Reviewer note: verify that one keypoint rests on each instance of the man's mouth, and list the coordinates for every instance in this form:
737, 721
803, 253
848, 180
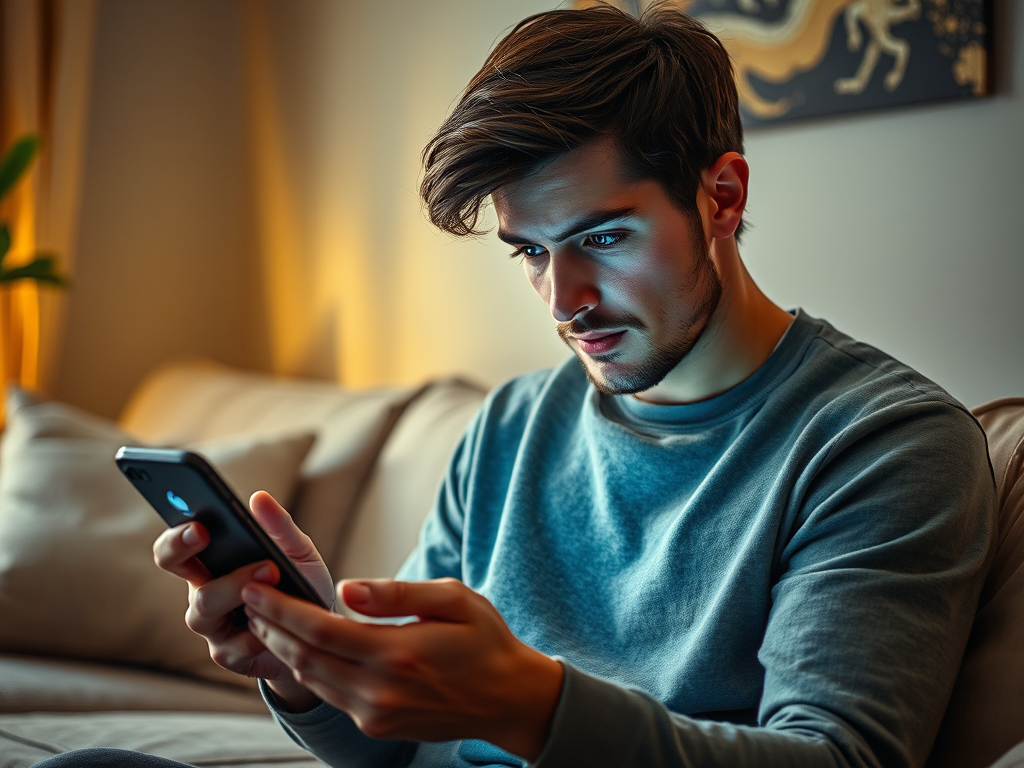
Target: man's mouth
598, 342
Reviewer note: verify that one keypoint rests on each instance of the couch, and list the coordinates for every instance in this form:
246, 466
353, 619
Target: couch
93, 650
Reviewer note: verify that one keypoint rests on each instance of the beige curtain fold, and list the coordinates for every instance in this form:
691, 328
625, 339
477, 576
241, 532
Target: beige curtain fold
45, 71
284, 269
299, 280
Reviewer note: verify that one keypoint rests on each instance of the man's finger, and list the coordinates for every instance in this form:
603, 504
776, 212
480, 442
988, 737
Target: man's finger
211, 603
175, 549
313, 625
440, 599
275, 520
331, 678
310, 662
239, 653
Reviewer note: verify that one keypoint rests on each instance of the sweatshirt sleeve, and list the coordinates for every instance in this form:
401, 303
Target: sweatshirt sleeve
333, 737
598, 723
877, 583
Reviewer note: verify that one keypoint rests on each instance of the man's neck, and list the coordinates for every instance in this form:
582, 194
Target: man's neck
740, 336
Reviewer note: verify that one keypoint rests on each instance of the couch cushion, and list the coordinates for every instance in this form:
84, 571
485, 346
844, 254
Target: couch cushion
245, 741
39, 684
201, 400
985, 717
401, 490
77, 577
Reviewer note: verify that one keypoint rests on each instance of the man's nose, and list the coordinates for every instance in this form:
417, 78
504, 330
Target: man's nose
572, 288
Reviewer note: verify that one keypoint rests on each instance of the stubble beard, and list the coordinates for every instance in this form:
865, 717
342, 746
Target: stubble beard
663, 357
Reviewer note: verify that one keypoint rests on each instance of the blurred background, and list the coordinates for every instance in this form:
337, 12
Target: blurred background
236, 179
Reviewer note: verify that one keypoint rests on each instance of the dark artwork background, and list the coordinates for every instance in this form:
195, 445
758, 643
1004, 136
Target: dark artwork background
790, 54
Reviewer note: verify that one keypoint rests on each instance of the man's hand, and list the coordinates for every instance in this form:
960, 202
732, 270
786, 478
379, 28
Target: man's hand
457, 673
210, 601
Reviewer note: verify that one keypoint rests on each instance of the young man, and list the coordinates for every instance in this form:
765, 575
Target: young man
729, 536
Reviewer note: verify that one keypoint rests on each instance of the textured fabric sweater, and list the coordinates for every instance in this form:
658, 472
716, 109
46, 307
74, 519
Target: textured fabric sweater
782, 575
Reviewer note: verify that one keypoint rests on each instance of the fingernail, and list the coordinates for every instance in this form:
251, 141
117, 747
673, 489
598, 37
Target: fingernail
251, 595
190, 536
263, 573
357, 593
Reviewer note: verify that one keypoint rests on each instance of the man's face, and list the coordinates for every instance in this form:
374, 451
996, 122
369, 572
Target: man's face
626, 274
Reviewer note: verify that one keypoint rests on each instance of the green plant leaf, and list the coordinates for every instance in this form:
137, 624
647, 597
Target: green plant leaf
40, 269
16, 161
5, 242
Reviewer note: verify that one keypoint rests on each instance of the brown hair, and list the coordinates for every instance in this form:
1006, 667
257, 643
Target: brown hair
661, 85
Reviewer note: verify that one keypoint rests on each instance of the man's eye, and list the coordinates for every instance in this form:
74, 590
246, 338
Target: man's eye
603, 239
527, 252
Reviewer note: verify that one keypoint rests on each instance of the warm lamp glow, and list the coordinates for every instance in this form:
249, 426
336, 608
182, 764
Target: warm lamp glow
317, 295
19, 307
26, 302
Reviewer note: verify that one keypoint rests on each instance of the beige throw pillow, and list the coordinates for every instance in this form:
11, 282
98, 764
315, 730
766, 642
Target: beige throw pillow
77, 577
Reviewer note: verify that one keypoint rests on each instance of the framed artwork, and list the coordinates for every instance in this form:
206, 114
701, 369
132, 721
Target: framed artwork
797, 59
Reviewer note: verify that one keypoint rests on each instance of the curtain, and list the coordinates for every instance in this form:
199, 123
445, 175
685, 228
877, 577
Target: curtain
299, 278
45, 63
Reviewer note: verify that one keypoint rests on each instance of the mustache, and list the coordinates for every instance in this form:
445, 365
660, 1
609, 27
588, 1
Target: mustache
590, 323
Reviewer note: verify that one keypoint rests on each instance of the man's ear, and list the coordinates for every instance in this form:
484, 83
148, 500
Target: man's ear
725, 184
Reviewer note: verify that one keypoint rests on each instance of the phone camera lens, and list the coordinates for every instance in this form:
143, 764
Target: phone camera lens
133, 473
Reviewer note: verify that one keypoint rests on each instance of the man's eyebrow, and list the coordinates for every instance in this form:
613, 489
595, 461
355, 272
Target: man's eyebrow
589, 221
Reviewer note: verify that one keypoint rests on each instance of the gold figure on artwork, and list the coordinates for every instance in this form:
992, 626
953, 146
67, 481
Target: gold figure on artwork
971, 68
879, 16
776, 51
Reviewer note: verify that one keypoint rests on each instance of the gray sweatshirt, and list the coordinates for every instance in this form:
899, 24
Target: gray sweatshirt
783, 575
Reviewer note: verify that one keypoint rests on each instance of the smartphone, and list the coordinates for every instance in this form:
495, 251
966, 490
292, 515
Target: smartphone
182, 486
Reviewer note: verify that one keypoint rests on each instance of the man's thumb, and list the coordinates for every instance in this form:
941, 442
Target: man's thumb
279, 525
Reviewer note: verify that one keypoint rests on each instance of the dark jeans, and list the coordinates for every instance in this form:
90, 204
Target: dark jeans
107, 758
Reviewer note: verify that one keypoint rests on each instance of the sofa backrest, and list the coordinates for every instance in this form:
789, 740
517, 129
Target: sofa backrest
985, 717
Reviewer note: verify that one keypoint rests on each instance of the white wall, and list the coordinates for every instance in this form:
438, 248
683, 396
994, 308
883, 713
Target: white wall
904, 228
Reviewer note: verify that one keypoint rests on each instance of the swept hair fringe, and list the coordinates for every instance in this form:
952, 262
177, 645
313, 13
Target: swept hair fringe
660, 85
